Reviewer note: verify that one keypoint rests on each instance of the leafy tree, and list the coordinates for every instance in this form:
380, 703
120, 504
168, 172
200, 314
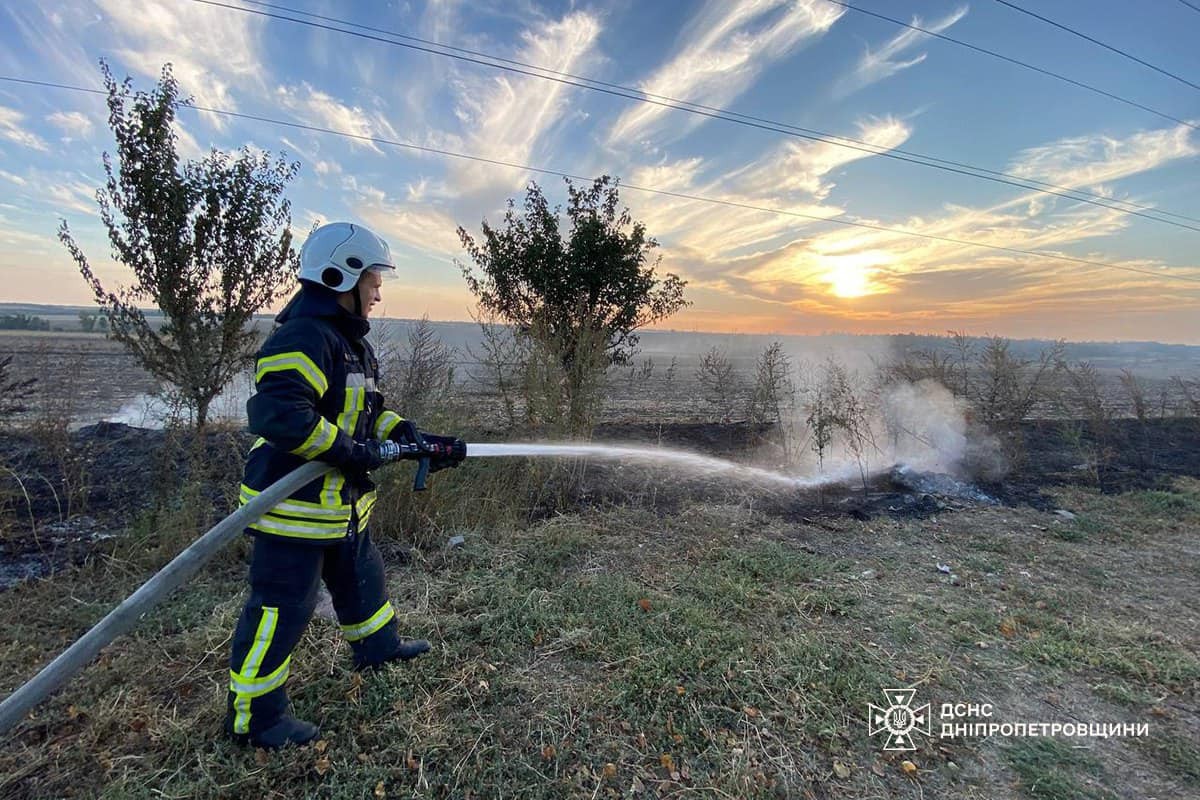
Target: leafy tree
209, 243
23, 322
575, 291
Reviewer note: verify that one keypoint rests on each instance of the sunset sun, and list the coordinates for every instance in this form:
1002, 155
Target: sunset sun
849, 276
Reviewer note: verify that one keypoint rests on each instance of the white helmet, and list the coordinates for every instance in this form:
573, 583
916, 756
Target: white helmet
335, 255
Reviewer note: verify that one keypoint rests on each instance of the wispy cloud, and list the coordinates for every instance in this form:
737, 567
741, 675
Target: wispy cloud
802, 166
876, 65
62, 35
719, 56
213, 50
793, 176
310, 157
1096, 159
11, 128
75, 124
505, 116
319, 108
186, 143
416, 226
858, 275
72, 195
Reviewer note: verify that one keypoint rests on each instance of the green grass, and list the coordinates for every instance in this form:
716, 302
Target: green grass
1177, 751
550, 664
1172, 504
587, 653
1132, 652
1052, 770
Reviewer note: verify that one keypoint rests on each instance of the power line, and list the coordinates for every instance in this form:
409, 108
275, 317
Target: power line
647, 189
1084, 36
1190, 5
876, 149
1018, 62
628, 93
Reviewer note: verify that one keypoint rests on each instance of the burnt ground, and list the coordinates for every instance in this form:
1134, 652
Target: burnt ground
64, 494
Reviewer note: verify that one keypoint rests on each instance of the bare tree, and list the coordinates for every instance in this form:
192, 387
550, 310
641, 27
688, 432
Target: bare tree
838, 405
14, 392
718, 381
1189, 391
1138, 401
425, 369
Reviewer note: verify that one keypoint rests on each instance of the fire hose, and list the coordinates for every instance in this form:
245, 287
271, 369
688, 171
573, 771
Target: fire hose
188, 563
122, 618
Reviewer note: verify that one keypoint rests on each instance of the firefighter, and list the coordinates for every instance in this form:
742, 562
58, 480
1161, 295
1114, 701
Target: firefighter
317, 397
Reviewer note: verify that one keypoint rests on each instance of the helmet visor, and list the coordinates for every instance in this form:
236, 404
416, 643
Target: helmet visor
386, 272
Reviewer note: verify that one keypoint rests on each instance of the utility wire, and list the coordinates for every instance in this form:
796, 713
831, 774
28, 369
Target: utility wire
1084, 36
877, 149
1190, 5
634, 187
1018, 62
474, 57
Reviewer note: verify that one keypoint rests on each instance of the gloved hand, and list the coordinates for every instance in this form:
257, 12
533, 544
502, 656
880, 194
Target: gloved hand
446, 451
405, 432
371, 454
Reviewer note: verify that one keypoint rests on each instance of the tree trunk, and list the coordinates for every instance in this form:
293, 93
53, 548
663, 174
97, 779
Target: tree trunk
202, 404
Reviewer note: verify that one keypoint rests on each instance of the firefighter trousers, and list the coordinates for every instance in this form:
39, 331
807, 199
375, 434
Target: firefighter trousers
285, 576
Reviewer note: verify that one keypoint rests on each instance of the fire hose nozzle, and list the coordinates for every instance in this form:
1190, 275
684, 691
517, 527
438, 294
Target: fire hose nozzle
405, 451
421, 451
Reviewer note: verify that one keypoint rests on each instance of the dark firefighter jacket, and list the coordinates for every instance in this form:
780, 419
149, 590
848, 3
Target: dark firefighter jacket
315, 393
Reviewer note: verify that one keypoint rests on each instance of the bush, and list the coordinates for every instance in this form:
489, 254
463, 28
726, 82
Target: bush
417, 376
719, 382
838, 413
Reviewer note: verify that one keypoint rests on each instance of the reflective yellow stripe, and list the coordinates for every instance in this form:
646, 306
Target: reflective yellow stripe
303, 507
251, 665
261, 686
297, 361
363, 509
259, 442
331, 487
298, 529
348, 420
387, 421
313, 524
321, 439
299, 508
364, 629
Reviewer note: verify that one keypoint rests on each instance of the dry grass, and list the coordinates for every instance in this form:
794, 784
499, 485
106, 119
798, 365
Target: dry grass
622, 652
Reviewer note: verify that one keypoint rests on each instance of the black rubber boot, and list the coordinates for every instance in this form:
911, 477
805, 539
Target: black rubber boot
404, 651
287, 731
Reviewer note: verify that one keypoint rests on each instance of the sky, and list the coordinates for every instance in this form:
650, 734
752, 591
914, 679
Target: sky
806, 63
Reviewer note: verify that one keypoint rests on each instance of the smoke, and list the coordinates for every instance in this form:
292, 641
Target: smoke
850, 412
159, 409
926, 425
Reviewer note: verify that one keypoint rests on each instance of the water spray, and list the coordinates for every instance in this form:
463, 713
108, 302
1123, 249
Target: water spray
681, 459
154, 591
